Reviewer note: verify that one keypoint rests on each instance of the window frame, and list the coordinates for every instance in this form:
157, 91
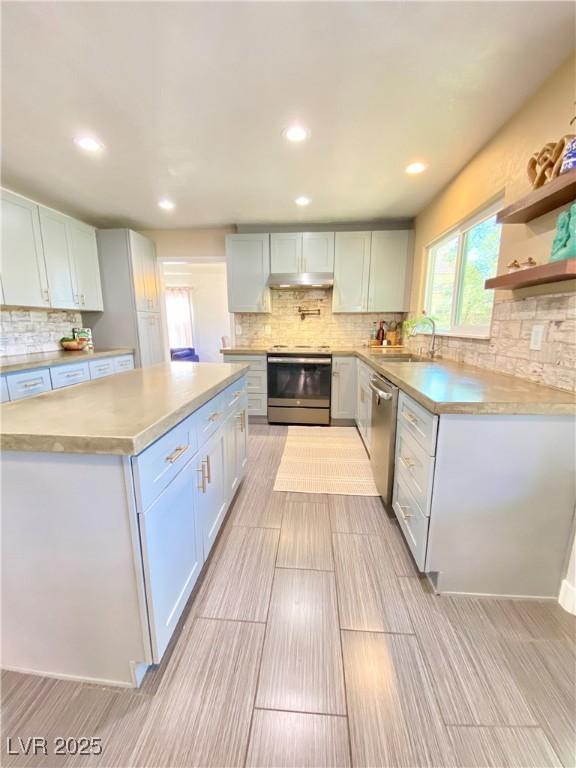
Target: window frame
460, 231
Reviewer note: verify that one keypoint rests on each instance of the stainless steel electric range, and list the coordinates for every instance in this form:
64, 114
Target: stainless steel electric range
299, 385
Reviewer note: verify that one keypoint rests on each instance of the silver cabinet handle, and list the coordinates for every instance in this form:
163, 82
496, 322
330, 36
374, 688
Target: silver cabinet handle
46, 295
335, 373
410, 417
82, 299
176, 453
76, 299
214, 416
408, 461
73, 374
208, 472
402, 507
202, 486
382, 395
30, 384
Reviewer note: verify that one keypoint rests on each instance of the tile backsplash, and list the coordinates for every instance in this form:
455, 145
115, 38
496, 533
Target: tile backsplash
508, 348
23, 331
285, 326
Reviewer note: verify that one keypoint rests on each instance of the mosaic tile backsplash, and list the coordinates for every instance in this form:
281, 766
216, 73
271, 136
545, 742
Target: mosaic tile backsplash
508, 348
23, 331
284, 325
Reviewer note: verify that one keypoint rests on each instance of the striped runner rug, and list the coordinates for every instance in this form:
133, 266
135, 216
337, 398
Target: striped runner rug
325, 460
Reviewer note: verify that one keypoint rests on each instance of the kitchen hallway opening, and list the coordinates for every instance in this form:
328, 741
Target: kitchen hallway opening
197, 314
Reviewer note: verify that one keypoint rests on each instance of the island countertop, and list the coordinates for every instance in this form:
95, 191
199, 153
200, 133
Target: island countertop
11, 363
118, 415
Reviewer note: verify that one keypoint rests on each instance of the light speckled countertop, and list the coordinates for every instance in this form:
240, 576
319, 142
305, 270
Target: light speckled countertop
57, 357
120, 414
445, 386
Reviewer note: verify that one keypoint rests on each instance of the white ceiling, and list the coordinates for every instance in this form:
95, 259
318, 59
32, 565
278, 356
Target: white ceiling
190, 100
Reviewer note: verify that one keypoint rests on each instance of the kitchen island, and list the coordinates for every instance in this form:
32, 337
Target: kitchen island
113, 493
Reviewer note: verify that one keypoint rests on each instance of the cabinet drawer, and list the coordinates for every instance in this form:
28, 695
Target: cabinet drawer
256, 381
208, 418
256, 362
233, 396
101, 368
418, 467
30, 383
4, 389
158, 464
257, 404
123, 363
421, 424
413, 521
65, 375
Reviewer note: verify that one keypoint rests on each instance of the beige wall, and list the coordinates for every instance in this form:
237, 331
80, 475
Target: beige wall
500, 168
190, 243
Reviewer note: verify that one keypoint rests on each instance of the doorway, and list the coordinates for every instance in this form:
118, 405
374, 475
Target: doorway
196, 309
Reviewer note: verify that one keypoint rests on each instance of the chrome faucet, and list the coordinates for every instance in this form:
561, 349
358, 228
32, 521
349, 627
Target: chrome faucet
432, 351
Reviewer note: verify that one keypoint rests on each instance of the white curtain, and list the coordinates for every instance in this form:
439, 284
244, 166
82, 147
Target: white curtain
179, 315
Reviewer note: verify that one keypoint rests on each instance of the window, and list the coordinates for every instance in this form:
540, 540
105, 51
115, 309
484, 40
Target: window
179, 316
458, 265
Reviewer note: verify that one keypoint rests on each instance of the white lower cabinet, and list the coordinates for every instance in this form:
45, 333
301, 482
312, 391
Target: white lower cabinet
150, 338
257, 381
343, 399
172, 553
184, 483
364, 404
212, 501
413, 521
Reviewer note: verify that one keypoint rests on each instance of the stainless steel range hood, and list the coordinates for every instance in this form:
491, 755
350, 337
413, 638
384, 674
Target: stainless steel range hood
301, 280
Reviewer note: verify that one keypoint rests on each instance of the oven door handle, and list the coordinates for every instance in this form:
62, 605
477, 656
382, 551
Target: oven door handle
289, 360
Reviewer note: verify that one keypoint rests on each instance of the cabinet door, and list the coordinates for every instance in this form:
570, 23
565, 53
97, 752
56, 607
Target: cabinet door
242, 438
210, 468
24, 276
150, 338
58, 255
389, 258
318, 252
147, 253
139, 253
172, 554
232, 477
86, 267
343, 401
351, 271
248, 268
286, 252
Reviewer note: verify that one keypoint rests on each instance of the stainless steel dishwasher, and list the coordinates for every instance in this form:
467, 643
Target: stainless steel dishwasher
383, 439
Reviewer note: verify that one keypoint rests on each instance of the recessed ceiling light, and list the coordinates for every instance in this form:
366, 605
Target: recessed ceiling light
296, 133
166, 204
88, 143
414, 168
302, 200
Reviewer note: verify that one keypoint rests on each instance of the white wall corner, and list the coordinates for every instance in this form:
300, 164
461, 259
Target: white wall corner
567, 596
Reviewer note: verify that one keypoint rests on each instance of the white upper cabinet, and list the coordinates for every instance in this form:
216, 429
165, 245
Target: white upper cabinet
86, 268
286, 252
293, 252
24, 277
317, 252
389, 271
49, 259
248, 269
351, 271
59, 263
144, 271
150, 338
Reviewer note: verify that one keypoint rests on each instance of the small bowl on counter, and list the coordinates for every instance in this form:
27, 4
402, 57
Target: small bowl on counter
73, 345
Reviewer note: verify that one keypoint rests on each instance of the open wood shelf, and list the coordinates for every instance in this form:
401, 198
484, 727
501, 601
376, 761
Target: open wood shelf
555, 193
553, 272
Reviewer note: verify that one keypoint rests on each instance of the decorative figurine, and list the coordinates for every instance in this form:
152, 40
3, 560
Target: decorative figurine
545, 165
564, 243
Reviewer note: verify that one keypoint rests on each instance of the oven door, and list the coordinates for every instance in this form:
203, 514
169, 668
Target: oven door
299, 381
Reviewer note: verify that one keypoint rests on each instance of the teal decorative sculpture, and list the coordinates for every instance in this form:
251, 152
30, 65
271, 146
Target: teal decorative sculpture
564, 244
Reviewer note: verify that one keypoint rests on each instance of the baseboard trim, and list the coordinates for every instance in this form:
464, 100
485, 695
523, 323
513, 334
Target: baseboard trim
567, 597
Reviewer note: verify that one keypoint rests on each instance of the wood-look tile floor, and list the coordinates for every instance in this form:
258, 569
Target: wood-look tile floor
312, 641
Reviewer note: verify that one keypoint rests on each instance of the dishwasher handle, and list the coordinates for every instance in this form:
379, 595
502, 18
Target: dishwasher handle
377, 391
